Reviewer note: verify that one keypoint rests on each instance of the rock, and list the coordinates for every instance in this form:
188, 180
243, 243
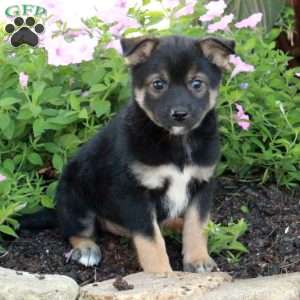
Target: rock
176, 285
15, 285
277, 287
207, 286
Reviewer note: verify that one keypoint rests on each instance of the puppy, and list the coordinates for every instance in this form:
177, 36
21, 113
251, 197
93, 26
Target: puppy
154, 161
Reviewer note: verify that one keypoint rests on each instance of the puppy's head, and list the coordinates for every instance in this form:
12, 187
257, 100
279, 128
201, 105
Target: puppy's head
175, 79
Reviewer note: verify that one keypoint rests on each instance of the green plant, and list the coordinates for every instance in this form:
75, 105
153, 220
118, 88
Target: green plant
225, 239
271, 146
221, 239
42, 124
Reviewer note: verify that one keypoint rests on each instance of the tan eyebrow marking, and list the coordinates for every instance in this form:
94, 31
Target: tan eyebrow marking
197, 75
162, 75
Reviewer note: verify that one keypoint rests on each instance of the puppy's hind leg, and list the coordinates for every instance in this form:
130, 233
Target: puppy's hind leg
78, 226
85, 250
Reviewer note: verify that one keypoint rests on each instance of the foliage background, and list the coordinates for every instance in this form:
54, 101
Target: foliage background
42, 125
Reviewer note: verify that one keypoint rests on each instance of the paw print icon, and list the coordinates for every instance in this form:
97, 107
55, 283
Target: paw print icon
24, 32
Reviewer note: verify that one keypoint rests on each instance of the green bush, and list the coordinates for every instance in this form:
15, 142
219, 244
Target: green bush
43, 124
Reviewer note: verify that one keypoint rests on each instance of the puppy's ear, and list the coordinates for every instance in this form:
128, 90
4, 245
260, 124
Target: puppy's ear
138, 50
217, 51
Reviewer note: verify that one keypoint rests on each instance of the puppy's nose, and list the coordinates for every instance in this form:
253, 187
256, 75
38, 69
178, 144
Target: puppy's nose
179, 114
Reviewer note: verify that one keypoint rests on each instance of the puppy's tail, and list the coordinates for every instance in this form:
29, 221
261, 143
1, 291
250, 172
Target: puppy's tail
43, 219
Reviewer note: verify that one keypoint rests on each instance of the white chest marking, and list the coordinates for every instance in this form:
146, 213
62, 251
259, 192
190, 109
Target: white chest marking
177, 196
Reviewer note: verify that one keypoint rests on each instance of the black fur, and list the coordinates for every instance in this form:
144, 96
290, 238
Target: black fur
98, 178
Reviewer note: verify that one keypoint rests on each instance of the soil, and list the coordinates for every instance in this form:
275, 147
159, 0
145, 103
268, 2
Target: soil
273, 239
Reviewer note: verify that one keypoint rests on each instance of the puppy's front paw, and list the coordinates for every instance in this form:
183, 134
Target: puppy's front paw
200, 266
89, 256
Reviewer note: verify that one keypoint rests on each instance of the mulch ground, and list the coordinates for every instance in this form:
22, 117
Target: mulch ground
273, 239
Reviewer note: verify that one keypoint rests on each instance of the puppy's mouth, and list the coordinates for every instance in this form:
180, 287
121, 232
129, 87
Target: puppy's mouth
178, 130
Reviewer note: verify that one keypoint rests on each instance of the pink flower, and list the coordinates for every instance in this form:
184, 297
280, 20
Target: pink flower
118, 19
115, 44
121, 3
123, 24
186, 10
71, 14
59, 51
239, 65
214, 9
241, 117
55, 10
220, 25
2, 177
110, 16
62, 53
23, 80
297, 74
250, 22
83, 48
171, 4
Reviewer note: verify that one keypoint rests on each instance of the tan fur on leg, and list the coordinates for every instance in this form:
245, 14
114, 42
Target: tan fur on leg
195, 253
81, 242
152, 252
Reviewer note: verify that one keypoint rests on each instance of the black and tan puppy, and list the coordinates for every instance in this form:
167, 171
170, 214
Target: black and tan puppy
154, 161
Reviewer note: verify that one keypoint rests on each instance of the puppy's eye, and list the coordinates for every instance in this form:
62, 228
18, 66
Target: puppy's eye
159, 84
196, 84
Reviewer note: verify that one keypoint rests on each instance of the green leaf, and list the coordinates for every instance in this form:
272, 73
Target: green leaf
100, 107
9, 131
93, 74
4, 120
35, 159
5, 187
9, 101
9, 165
64, 118
57, 162
8, 230
51, 147
13, 222
51, 189
83, 114
68, 141
38, 127
98, 88
38, 88
244, 209
35, 109
75, 103
235, 245
25, 113
47, 201
50, 93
